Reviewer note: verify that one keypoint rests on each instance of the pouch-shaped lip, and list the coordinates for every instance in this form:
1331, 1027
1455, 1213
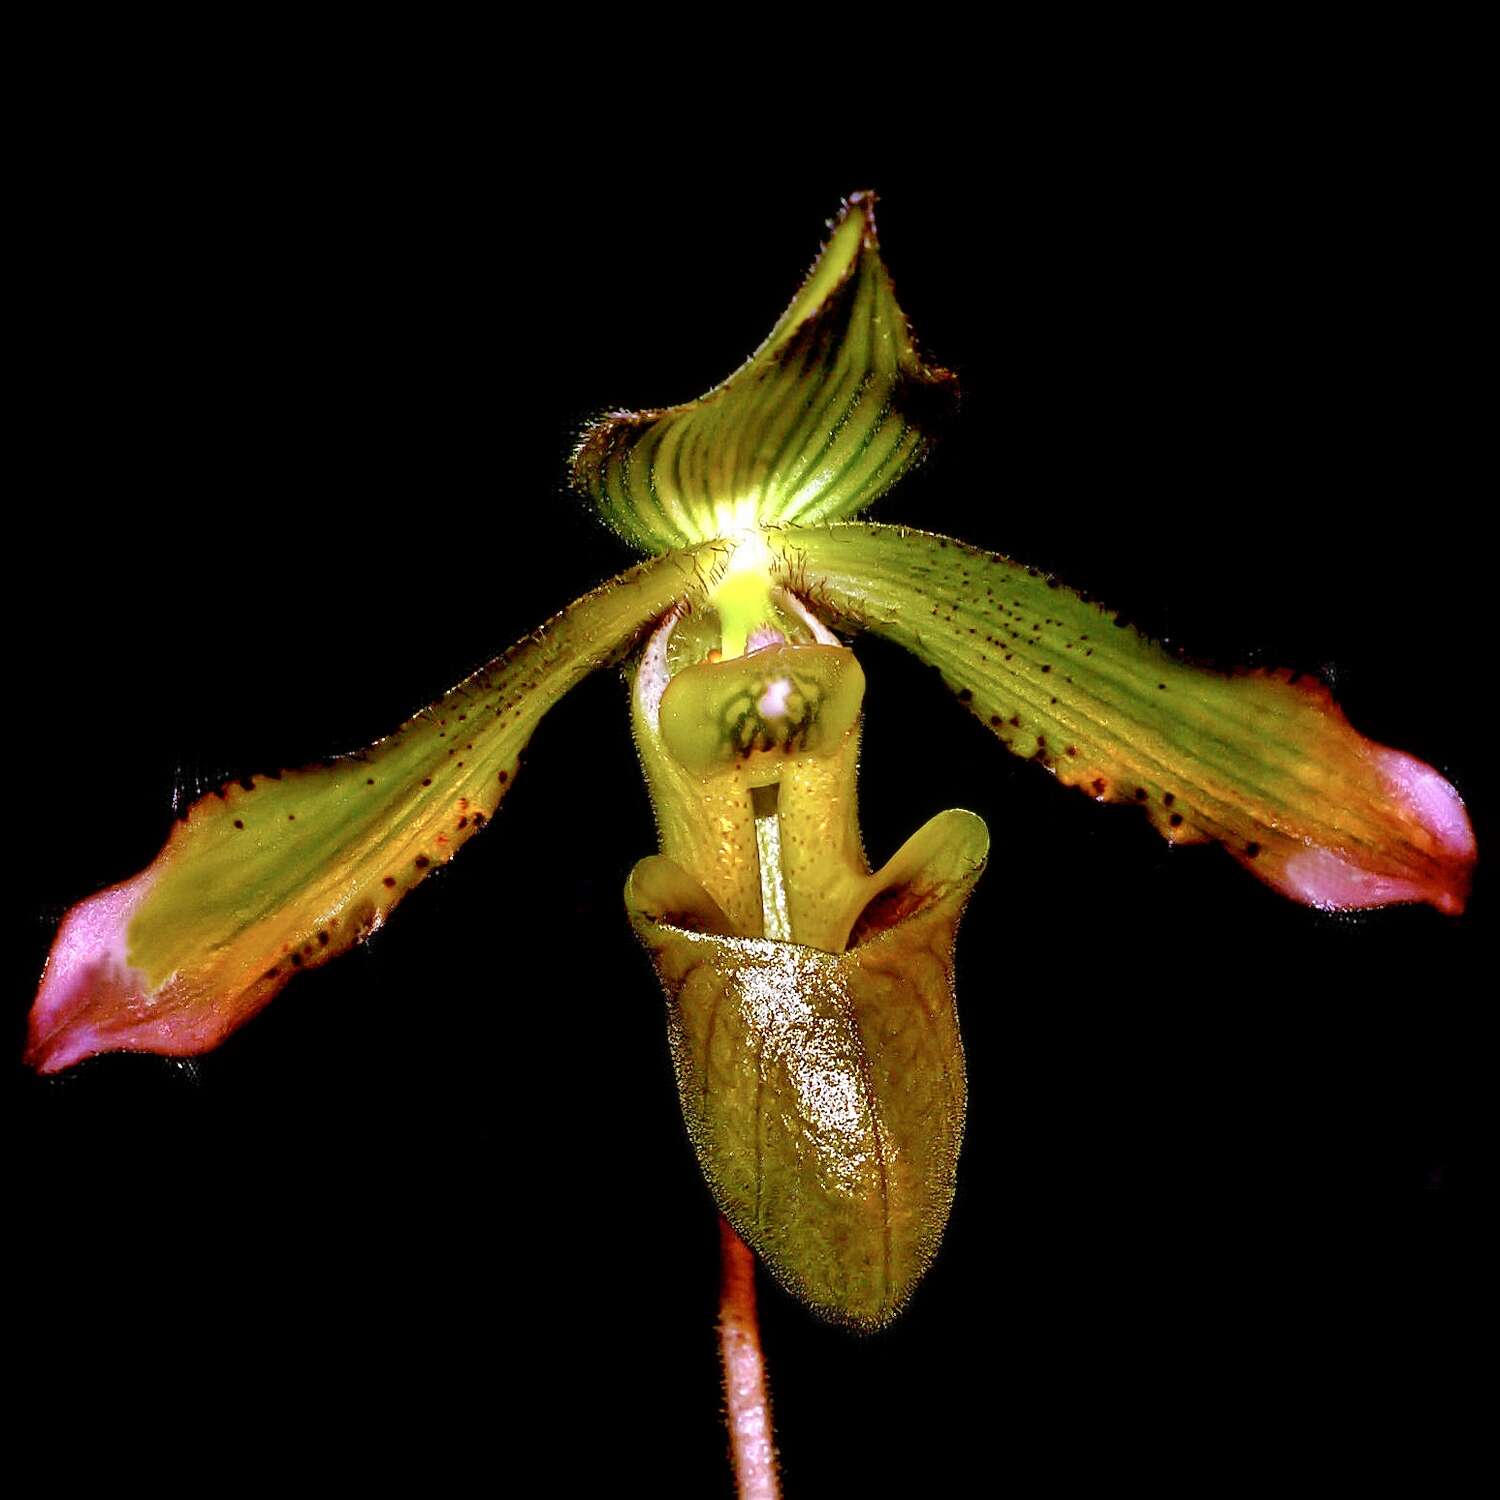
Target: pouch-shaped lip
824, 1091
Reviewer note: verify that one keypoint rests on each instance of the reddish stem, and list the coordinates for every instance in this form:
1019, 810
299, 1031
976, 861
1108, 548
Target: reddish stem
746, 1396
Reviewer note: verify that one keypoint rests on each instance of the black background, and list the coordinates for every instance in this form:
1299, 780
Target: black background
304, 388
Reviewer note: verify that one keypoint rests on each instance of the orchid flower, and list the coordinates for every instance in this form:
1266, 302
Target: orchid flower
810, 1002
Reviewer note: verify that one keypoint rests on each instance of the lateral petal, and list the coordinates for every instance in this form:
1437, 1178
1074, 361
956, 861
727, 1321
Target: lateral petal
1262, 762
283, 872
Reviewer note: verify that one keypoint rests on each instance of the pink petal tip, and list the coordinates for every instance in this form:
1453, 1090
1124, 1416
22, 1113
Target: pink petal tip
1334, 880
88, 986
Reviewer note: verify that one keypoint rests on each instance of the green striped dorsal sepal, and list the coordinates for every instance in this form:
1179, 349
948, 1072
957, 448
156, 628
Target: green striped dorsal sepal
826, 415
1263, 763
282, 873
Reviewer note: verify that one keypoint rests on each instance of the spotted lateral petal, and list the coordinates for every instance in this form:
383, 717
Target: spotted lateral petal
1263, 763
280, 873
826, 415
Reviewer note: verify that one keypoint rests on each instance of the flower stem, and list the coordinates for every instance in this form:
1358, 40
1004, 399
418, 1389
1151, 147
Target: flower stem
746, 1396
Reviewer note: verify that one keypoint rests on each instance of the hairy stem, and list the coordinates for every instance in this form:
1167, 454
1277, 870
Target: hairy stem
746, 1396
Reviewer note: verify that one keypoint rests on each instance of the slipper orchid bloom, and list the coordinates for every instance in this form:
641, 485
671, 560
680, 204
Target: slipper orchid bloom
809, 999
